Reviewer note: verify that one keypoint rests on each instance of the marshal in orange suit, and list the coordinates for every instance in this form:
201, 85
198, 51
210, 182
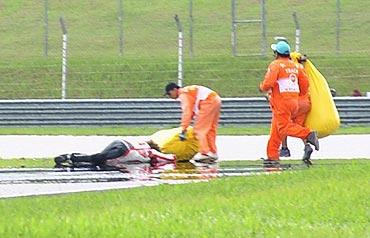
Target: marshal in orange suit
204, 105
304, 107
286, 81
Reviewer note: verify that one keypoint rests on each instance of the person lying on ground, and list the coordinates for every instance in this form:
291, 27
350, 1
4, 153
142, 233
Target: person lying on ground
116, 155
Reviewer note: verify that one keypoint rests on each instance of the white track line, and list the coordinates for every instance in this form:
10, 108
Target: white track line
23, 190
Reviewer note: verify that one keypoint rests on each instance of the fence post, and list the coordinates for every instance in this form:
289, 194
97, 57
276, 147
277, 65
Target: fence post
64, 58
263, 28
233, 27
338, 25
297, 32
191, 28
180, 72
120, 26
46, 28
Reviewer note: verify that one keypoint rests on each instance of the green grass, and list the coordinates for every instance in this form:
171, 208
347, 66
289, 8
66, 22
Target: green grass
142, 131
119, 131
27, 163
317, 162
326, 201
150, 53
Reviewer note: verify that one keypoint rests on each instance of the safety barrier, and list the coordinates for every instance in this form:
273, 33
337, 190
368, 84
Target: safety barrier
147, 112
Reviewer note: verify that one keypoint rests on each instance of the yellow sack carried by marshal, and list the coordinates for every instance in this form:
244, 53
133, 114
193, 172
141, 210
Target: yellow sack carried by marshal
323, 117
170, 143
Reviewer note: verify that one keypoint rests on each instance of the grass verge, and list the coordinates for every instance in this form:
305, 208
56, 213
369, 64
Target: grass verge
140, 131
326, 201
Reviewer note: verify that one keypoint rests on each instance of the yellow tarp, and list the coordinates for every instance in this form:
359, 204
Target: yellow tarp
169, 143
323, 117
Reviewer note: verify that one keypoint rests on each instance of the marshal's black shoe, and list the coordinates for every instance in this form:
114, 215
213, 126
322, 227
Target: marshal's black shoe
284, 152
313, 140
63, 161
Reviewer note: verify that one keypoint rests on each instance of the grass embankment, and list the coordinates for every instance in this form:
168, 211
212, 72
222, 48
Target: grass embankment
143, 131
150, 46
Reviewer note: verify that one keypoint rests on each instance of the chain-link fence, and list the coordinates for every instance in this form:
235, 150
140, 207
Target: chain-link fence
128, 48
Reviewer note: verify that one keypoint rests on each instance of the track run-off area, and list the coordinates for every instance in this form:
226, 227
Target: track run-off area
230, 148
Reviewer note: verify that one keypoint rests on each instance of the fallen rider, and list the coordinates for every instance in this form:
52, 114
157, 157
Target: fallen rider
115, 156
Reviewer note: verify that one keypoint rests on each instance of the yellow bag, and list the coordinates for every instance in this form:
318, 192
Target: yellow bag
323, 117
170, 143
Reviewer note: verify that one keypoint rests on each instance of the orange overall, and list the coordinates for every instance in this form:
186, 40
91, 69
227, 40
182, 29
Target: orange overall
287, 81
304, 107
304, 103
205, 105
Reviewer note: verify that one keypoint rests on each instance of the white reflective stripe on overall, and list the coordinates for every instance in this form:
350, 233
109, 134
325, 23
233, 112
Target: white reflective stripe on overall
127, 144
135, 156
202, 94
139, 152
289, 85
161, 156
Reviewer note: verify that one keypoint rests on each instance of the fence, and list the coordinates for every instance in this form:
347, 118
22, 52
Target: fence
128, 48
151, 112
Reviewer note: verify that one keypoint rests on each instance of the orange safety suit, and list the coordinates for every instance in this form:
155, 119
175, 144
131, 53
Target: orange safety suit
287, 81
205, 105
304, 107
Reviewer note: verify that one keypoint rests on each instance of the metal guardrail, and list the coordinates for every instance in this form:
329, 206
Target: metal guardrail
138, 112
